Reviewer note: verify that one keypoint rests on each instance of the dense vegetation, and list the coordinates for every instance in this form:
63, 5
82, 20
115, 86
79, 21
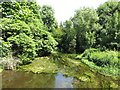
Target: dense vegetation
30, 31
104, 61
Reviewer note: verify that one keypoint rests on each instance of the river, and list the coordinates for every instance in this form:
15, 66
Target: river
70, 74
19, 79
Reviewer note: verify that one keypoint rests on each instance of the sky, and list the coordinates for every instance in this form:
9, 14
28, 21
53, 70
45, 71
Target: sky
64, 9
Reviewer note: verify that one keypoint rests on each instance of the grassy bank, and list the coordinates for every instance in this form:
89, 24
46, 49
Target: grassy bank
107, 62
51, 64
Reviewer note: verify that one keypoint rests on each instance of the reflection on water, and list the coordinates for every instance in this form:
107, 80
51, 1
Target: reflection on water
62, 81
12, 79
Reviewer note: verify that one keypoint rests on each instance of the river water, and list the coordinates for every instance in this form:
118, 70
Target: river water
12, 79
76, 75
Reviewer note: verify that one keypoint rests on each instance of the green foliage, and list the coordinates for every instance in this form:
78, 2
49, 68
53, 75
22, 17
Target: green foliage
24, 11
88, 52
101, 60
105, 58
48, 18
68, 42
109, 20
85, 24
5, 48
29, 31
92, 28
27, 41
22, 26
12, 27
24, 47
45, 43
57, 34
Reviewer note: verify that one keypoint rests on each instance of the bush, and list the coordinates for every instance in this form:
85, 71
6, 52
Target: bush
104, 61
102, 58
25, 32
45, 43
12, 27
106, 58
27, 41
88, 52
23, 47
5, 48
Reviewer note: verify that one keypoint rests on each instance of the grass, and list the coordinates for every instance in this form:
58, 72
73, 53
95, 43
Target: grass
109, 71
40, 65
103, 61
56, 63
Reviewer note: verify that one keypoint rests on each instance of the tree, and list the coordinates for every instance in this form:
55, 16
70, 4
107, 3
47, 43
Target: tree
109, 14
68, 42
5, 48
23, 47
48, 18
12, 27
45, 43
85, 23
22, 27
24, 11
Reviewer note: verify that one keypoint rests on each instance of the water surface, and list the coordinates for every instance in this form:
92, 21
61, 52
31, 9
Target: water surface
12, 79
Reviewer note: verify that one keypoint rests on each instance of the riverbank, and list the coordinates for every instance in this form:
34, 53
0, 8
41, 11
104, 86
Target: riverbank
52, 64
106, 62
69, 66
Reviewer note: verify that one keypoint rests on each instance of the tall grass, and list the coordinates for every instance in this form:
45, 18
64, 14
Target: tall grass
107, 61
106, 58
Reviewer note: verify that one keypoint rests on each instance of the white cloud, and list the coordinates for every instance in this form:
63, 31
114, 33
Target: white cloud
64, 9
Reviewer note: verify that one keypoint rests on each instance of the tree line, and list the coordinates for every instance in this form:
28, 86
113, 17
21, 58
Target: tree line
29, 30
93, 28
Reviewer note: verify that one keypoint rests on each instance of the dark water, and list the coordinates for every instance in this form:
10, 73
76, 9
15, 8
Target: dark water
12, 79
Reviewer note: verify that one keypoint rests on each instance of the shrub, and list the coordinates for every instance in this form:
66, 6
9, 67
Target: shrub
45, 43
104, 61
5, 48
102, 58
88, 52
106, 58
12, 27
24, 47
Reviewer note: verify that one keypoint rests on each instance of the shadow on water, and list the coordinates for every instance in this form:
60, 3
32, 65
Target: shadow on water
12, 79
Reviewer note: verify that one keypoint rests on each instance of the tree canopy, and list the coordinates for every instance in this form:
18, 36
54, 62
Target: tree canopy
29, 30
